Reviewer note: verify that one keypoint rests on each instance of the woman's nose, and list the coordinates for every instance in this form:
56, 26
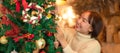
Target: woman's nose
80, 21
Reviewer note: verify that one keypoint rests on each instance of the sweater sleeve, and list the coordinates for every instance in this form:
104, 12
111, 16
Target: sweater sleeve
68, 49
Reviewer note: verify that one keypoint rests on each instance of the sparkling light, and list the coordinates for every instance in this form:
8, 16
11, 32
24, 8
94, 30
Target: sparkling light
65, 13
68, 13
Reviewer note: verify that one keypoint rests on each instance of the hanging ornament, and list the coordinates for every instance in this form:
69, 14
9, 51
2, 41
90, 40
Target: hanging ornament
3, 40
14, 51
49, 33
40, 43
36, 13
42, 51
49, 16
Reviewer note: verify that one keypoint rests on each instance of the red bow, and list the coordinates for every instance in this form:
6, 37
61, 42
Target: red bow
24, 4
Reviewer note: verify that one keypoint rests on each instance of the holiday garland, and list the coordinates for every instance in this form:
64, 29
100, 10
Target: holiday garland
35, 16
28, 25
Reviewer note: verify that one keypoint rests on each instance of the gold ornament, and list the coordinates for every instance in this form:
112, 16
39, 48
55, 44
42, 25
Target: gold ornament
49, 15
40, 43
3, 40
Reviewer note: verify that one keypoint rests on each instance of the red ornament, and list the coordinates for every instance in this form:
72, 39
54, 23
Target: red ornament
57, 52
49, 34
42, 51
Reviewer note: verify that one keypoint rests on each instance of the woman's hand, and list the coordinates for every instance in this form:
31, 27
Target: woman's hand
60, 37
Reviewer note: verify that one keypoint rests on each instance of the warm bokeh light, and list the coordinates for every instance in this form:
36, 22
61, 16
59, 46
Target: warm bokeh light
67, 13
60, 2
67, 16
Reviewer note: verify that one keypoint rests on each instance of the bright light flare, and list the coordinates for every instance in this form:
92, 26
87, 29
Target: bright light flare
68, 13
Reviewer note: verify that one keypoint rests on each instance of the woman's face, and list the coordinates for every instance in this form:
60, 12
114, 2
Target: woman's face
82, 24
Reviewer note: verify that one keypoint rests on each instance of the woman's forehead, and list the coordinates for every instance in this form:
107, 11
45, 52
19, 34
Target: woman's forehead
85, 15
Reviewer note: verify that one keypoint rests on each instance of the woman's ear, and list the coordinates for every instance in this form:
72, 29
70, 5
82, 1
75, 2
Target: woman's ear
90, 29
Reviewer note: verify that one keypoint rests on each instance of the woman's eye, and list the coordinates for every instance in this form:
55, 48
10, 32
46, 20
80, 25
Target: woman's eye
84, 20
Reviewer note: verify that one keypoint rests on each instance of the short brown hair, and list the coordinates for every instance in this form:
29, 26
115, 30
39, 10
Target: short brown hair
96, 21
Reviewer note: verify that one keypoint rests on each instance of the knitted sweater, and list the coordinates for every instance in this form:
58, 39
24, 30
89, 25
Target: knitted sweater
80, 43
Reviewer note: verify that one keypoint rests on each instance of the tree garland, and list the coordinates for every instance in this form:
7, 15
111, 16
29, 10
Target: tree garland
35, 16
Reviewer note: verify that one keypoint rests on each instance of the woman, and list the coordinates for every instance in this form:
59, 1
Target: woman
88, 27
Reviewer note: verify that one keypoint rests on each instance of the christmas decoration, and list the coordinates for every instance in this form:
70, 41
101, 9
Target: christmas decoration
27, 25
14, 51
15, 29
40, 43
49, 33
25, 4
35, 15
42, 51
17, 5
3, 40
49, 16
27, 36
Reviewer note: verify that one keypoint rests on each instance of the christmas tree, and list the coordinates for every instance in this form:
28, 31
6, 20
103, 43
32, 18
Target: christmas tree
28, 25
